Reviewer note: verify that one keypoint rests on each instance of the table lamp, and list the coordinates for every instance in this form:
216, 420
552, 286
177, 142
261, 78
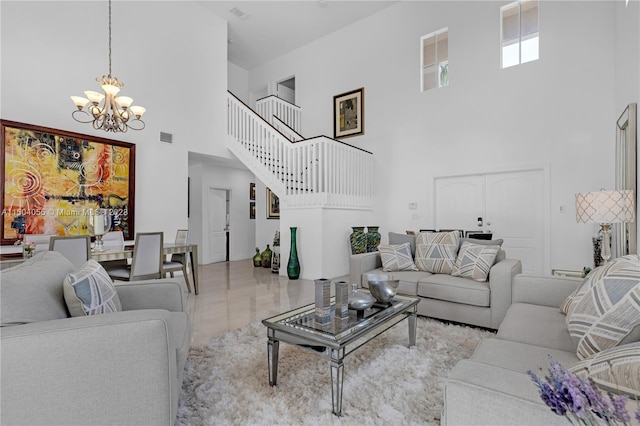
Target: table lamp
605, 208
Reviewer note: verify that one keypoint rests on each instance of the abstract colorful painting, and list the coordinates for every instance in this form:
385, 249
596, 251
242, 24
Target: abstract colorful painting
53, 180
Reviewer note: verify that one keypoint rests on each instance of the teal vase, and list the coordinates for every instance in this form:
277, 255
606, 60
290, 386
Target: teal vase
293, 267
373, 238
358, 239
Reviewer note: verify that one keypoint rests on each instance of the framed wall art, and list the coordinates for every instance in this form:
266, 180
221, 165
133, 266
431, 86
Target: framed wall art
252, 191
273, 205
252, 209
348, 114
53, 181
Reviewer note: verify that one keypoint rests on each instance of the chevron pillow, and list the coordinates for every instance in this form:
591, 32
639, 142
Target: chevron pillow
475, 260
609, 311
396, 257
436, 252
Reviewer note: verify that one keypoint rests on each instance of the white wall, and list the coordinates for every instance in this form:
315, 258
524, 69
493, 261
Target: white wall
557, 113
238, 82
172, 58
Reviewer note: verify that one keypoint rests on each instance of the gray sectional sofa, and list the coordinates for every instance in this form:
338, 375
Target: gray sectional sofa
447, 297
115, 368
493, 387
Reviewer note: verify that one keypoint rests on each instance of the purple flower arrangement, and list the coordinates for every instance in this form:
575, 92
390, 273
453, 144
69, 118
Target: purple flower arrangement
580, 399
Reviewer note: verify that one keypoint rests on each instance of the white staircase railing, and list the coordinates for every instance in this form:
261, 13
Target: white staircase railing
273, 106
316, 172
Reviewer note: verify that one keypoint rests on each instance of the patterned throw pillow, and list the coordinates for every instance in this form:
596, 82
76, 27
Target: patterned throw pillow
90, 291
475, 260
396, 258
616, 369
436, 252
590, 280
609, 311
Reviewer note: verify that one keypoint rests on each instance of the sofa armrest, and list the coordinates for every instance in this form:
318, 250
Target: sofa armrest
361, 264
153, 294
119, 368
543, 290
501, 283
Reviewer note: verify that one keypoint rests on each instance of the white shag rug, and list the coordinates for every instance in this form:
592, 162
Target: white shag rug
226, 381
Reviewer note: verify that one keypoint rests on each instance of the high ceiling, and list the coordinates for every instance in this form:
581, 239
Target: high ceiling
263, 30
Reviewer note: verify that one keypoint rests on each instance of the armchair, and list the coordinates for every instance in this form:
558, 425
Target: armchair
118, 368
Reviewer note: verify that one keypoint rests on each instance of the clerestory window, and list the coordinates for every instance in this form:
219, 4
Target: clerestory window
434, 60
519, 33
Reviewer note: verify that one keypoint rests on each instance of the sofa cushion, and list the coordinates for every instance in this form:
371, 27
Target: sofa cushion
90, 291
520, 357
609, 311
396, 257
32, 290
436, 252
536, 325
455, 289
475, 261
408, 280
615, 369
395, 239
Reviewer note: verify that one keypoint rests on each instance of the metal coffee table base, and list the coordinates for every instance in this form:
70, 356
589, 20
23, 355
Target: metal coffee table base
336, 354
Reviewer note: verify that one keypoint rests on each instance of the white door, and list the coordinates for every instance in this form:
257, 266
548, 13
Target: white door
514, 212
216, 219
511, 207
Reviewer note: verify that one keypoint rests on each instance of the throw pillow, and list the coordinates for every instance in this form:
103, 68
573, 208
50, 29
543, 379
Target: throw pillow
395, 239
609, 311
396, 257
497, 242
616, 369
90, 291
589, 281
436, 252
475, 260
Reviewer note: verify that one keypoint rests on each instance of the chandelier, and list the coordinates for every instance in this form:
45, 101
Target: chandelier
105, 111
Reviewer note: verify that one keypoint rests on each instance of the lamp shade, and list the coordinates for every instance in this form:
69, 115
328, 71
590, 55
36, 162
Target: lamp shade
605, 207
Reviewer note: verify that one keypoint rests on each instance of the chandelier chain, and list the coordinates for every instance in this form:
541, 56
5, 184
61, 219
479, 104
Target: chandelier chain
109, 38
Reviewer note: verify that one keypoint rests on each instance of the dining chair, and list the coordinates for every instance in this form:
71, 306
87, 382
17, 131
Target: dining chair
76, 248
40, 240
179, 261
147, 259
113, 240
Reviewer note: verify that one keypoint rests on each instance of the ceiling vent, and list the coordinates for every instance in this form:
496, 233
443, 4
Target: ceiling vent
240, 14
166, 137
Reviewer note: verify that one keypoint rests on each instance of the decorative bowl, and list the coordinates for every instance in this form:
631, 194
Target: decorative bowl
383, 288
360, 300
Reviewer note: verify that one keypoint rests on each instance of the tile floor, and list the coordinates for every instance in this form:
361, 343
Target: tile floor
233, 294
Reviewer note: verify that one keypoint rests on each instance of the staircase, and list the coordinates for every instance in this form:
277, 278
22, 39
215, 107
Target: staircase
316, 172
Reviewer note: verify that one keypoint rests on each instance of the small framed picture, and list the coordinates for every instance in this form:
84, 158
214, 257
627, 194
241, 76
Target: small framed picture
273, 205
252, 210
348, 114
252, 191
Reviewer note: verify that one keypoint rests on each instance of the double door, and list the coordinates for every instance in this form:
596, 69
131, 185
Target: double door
511, 206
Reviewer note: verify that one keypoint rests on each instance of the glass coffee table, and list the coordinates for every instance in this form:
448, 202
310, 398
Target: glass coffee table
337, 339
